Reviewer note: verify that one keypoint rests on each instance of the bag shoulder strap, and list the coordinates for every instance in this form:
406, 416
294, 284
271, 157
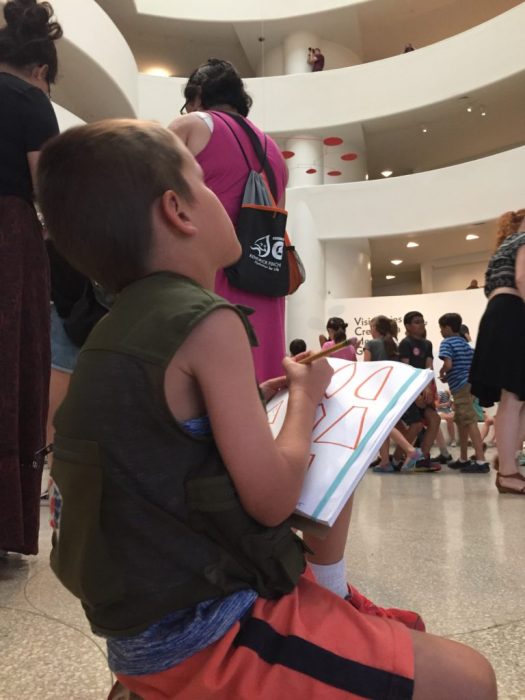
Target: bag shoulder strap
256, 144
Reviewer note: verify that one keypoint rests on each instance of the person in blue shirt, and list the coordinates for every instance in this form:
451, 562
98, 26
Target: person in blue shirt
457, 355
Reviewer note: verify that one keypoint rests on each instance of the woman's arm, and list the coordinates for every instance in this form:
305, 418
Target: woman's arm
367, 355
192, 130
267, 473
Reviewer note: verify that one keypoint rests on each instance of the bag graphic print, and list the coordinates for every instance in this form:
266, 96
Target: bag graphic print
269, 264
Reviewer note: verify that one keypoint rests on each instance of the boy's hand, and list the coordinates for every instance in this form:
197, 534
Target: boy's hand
312, 379
271, 386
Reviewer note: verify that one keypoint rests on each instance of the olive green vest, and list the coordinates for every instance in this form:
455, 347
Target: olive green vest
150, 520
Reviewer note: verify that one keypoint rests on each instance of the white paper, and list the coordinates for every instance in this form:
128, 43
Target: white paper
362, 404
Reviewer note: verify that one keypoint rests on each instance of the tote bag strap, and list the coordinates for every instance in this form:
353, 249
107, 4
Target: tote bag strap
259, 152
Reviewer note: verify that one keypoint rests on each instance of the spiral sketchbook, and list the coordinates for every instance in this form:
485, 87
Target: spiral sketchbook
362, 404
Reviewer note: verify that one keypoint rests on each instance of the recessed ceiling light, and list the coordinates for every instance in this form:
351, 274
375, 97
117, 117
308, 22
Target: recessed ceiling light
390, 277
159, 71
424, 129
386, 173
469, 108
471, 237
396, 262
483, 111
412, 244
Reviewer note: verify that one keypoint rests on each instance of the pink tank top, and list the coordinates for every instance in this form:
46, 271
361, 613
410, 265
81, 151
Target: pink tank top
225, 173
347, 353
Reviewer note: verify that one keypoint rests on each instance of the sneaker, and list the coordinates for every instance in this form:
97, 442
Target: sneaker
426, 465
412, 459
409, 618
443, 459
475, 468
383, 468
397, 465
374, 463
457, 464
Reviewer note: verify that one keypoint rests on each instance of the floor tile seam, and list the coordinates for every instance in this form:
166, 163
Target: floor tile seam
486, 629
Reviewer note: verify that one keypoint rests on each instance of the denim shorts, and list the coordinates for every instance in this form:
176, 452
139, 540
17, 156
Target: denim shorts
64, 352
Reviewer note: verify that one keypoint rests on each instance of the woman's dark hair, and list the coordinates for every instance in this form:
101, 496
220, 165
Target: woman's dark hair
28, 39
217, 82
387, 329
339, 336
336, 324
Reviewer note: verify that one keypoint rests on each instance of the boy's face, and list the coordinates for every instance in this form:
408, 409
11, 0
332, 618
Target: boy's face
416, 327
446, 331
209, 216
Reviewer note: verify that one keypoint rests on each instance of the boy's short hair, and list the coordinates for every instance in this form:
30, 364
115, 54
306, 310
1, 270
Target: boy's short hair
296, 346
410, 316
96, 186
453, 321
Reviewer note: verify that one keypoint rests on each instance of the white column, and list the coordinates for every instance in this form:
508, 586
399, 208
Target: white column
347, 265
305, 309
348, 159
427, 277
296, 52
305, 166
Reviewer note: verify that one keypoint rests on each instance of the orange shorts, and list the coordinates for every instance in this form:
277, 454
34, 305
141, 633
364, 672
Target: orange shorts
308, 644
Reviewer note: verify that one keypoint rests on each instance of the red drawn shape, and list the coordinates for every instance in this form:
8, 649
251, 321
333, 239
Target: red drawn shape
311, 171
322, 415
387, 372
349, 156
344, 433
274, 412
333, 173
332, 141
312, 457
288, 154
351, 368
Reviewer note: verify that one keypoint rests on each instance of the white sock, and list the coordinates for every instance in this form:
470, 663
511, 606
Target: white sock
332, 576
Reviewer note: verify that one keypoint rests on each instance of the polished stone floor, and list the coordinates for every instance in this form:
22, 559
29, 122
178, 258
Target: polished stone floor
447, 545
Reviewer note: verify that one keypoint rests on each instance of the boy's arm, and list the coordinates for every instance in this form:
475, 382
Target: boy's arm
404, 351
429, 362
267, 473
446, 367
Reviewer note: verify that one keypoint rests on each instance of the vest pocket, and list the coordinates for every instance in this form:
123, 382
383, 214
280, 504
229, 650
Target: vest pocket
80, 557
272, 556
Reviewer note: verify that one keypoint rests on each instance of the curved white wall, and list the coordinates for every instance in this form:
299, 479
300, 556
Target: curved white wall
479, 190
449, 69
97, 72
234, 11
66, 119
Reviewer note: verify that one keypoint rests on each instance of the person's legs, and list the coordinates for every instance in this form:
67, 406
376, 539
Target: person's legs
433, 422
447, 669
477, 442
58, 386
451, 427
411, 434
463, 443
509, 425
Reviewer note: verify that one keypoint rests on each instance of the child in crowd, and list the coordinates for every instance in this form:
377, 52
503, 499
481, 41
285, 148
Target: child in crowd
174, 527
416, 351
297, 346
383, 346
336, 329
457, 355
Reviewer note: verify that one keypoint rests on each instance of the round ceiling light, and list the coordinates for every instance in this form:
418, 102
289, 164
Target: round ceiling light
390, 277
396, 262
386, 173
471, 237
412, 244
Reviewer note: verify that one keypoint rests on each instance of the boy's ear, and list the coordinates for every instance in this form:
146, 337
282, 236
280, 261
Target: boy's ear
176, 212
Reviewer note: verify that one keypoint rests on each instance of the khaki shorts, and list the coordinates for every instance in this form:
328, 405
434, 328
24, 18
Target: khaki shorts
464, 413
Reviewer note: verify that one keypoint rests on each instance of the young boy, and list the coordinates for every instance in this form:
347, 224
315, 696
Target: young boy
416, 351
457, 355
174, 527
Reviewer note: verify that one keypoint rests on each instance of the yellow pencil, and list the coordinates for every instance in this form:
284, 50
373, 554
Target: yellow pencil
324, 353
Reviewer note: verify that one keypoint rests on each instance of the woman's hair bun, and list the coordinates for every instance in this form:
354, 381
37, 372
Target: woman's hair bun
31, 19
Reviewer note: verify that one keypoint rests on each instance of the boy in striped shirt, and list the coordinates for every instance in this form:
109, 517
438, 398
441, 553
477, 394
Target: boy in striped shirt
457, 355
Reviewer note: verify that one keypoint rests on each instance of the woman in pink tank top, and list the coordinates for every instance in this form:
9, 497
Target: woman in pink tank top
216, 86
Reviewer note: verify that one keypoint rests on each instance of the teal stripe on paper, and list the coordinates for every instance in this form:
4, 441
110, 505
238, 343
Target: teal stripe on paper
344, 470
